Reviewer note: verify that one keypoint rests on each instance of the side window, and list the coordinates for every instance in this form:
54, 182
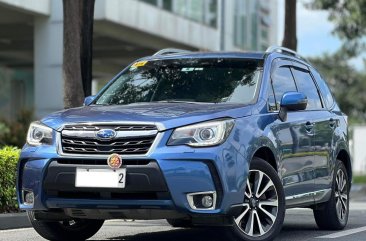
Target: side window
306, 85
282, 81
324, 89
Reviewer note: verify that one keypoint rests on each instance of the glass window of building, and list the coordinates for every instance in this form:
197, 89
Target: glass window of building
240, 23
211, 13
251, 24
195, 10
254, 24
153, 2
202, 11
168, 5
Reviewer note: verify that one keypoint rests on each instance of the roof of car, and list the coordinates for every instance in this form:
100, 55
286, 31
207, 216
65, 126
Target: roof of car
188, 54
171, 53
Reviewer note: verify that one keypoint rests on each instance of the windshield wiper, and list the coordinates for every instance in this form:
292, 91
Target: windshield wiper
182, 101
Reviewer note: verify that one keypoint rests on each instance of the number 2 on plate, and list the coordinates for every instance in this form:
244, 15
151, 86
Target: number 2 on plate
121, 178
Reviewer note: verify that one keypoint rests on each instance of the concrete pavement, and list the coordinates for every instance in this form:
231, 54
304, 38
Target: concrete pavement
299, 225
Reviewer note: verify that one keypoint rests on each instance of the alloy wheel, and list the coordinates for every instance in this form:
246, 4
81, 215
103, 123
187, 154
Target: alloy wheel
341, 195
260, 206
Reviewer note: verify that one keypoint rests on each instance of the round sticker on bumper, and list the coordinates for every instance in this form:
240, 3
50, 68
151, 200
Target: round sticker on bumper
114, 161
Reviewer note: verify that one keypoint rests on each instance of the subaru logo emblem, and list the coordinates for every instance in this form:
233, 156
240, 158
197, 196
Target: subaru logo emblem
105, 134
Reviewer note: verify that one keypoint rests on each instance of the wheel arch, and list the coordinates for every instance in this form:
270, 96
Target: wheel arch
344, 156
266, 154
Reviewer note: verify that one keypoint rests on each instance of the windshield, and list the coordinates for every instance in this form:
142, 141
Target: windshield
188, 80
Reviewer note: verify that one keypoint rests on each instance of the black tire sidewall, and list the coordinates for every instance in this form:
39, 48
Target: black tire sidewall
262, 165
326, 214
340, 166
55, 231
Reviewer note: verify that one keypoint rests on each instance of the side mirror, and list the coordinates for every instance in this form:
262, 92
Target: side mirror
293, 101
88, 100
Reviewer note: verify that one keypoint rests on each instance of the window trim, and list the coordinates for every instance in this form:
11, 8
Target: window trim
291, 63
330, 108
315, 84
278, 63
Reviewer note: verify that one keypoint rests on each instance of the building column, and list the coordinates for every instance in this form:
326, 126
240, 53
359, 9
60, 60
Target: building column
48, 54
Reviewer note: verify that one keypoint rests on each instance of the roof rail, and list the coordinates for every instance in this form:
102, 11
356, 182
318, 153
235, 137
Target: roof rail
171, 51
279, 49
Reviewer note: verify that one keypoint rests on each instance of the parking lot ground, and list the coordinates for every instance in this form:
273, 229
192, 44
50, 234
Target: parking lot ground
299, 225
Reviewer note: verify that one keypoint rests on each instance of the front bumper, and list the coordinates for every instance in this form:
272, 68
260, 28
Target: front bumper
158, 181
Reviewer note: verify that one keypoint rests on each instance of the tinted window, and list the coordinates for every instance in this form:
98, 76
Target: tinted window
327, 95
306, 85
192, 80
282, 82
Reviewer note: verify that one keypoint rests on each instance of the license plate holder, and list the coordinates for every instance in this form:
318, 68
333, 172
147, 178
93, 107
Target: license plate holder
100, 178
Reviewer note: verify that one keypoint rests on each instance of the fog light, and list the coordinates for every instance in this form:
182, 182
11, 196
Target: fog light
207, 201
28, 198
202, 200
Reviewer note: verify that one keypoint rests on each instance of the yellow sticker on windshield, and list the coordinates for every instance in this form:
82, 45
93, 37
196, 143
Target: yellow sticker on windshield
139, 64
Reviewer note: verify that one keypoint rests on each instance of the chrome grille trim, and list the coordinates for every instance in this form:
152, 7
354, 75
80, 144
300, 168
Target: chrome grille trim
120, 134
118, 127
116, 143
136, 143
94, 150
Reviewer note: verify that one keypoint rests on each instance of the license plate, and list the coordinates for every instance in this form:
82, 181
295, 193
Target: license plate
103, 178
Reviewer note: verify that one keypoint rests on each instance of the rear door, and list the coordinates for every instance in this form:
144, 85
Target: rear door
294, 139
325, 139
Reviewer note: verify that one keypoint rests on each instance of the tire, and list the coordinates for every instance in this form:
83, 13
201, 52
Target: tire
78, 229
269, 197
333, 215
180, 223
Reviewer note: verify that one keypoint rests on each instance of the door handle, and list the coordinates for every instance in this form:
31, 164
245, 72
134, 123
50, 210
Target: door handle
332, 123
309, 126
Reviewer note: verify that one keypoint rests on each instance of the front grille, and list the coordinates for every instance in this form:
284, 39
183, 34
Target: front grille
121, 145
81, 139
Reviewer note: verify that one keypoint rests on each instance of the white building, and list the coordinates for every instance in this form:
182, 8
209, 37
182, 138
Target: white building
358, 150
31, 38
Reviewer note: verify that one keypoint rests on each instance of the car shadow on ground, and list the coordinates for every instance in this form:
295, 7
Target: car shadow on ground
288, 232
195, 234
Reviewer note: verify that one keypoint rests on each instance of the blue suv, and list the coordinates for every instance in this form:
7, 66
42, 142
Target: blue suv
212, 139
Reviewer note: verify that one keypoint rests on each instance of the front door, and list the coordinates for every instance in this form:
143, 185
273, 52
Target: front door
295, 141
295, 137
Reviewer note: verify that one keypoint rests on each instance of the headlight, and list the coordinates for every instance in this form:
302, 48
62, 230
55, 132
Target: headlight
204, 134
39, 134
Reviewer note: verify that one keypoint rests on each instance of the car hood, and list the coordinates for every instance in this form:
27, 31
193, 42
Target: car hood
169, 115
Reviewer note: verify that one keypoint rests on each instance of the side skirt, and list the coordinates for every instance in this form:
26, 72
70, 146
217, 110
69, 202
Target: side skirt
308, 199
